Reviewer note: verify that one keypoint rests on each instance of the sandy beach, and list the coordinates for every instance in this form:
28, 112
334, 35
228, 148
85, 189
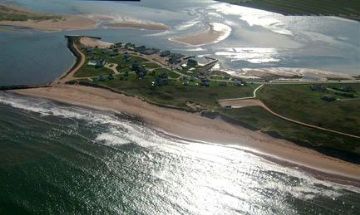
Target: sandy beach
93, 42
215, 33
81, 23
74, 22
193, 126
66, 23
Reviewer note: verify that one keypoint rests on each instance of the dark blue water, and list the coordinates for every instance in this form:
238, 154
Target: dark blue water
32, 57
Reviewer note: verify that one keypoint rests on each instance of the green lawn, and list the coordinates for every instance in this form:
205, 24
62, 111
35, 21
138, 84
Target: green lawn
257, 118
169, 72
301, 103
89, 71
175, 93
343, 8
151, 65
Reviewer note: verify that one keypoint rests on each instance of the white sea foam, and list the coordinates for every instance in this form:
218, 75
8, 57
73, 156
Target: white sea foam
220, 27
187, 25
223, 160
196, 49
252, 55
112, 137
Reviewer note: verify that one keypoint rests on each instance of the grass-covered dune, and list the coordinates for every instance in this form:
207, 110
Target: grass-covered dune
349, 9
9, 13
257, 118
324, 105
332, 106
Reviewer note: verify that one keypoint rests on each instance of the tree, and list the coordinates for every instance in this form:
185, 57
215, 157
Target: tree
192, 62
139, 70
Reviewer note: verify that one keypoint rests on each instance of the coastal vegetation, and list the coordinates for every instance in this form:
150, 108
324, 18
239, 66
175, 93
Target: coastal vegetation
257, 118
333, 106
8, 13
167, 81
349, 9
172, 80
306, 103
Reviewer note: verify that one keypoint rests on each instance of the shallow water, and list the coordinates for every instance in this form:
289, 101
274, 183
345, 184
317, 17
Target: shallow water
60, 159
258, 39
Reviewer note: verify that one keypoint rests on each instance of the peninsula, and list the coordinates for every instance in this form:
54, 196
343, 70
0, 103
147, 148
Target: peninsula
176, 94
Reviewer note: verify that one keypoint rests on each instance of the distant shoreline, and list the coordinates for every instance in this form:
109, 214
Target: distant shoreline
67, 23
46, 22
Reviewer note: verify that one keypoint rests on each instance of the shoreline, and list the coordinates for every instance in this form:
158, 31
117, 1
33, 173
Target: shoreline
64, 24
195, 127
215, 33
70, 23
138, 25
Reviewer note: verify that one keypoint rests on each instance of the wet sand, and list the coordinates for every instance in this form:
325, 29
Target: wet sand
76, 22
215, 33
283, 72
139, 25
65, 23
93, 42
193, 126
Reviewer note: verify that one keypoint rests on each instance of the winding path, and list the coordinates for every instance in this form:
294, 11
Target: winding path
68, 76
252, 101
305, 124
243, 98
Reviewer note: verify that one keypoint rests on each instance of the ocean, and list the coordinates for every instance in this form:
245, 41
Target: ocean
61, 159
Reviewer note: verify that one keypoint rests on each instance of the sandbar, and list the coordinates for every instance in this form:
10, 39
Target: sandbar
216, 32
65, 23
139, 25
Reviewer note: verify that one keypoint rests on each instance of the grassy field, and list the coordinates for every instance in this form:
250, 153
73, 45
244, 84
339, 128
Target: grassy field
343, 8
89, 71
175, 94
257, 118
190, 96
13, 14
301, 103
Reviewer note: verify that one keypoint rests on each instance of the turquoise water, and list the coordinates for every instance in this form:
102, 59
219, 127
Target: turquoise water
60, 159
258, 39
